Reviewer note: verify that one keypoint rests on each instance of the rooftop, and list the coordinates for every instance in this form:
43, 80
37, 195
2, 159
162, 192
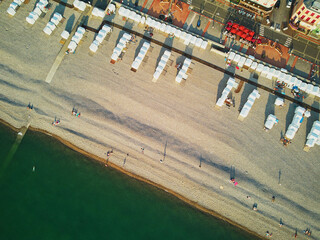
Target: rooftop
264, 3
313, 5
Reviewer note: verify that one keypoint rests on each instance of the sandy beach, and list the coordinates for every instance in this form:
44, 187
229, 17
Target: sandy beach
127, 112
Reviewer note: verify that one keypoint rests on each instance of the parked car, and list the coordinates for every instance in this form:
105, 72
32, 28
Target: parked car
278, 27
277, 5
289, 3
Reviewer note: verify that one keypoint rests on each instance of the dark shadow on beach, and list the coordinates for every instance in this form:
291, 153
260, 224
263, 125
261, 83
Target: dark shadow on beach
59, 9
222, 84
290, 115
101, 4
162, 50
314, 117
269, 106
70, 23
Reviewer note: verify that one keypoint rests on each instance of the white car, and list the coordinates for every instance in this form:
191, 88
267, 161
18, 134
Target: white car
289, 3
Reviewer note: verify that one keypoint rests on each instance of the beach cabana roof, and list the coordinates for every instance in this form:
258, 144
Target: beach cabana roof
235, 25
233, 31
239, 33
249, 38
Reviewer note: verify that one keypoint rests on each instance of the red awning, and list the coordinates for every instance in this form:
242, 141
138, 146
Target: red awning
239, 33
246, 30
229, 23
251, 33
228, 28
259, 41
244, 35
241, 28
253, 40
235, 25
233, 31
249, 38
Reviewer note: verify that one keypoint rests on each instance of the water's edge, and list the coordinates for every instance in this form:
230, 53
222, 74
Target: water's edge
137, 177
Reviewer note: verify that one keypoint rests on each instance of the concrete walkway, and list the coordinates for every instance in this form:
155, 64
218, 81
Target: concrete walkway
62, 53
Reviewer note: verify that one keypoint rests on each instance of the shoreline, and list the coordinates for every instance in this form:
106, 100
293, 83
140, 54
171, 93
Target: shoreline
137, 177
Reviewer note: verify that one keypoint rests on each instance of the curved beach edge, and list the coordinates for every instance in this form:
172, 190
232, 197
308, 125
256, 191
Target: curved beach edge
137, 177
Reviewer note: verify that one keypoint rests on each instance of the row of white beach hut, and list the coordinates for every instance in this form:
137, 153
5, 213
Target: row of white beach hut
100, 37
98, 12
161, 65
80, 5
76, 38
248, 105
53, 23
186, 37
231, 83
313, 136
271, 73
120, 46
137, 61
298, 117
12, 9
182, 74
35, 14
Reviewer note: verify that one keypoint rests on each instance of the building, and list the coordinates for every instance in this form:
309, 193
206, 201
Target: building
306, 17
262, 8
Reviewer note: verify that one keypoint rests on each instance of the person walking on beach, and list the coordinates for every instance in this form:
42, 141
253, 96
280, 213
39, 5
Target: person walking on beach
268, 234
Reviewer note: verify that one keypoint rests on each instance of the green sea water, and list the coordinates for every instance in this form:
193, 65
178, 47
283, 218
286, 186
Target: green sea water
70, 196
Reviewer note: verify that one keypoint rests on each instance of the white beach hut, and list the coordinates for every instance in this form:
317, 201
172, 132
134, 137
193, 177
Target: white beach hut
11, 11
72, 46
248, 105
242, 61
97, 12
230, 57
276, 74
247, 63
259, 68
309, 88
270, 122
303, 86
265, 71
270, 73
236, 59
94, 46
188, 39
253, 66
204, 44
